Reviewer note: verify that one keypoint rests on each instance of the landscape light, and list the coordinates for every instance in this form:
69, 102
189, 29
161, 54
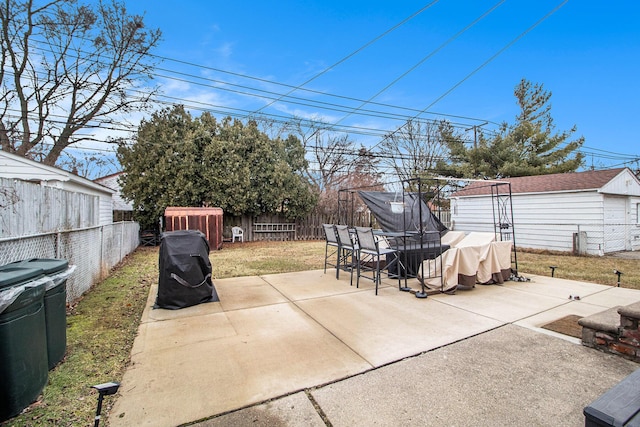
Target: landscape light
104, 389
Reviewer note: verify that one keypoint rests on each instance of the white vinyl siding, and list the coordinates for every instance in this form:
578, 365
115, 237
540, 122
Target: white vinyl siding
541, 221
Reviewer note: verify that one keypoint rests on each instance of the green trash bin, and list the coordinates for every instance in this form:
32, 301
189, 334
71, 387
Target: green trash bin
23, 340
55, 304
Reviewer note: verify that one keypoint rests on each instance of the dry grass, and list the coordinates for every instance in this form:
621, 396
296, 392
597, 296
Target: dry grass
103, 324
100, 331
582, 268
257, 258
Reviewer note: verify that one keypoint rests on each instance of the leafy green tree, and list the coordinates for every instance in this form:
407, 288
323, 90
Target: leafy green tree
529, 147
162, 167
181, 161
249, 173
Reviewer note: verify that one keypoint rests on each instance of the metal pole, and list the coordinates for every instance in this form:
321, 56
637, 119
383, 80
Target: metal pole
98, 410
422, 293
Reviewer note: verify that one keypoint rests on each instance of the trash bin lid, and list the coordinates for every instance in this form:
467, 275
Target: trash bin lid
48, 265
11, 275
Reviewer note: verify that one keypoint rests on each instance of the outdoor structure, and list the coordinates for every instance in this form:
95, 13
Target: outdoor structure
122, 210
206, 220
46, 212
592, 212
98, 203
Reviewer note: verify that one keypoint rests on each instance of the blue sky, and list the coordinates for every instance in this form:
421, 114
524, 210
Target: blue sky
587, 54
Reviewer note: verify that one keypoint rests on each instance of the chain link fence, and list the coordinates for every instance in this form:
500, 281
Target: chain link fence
93, 250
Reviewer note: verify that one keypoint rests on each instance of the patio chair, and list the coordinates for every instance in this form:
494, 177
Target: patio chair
331, 239
237, 233
370, 252
347, 251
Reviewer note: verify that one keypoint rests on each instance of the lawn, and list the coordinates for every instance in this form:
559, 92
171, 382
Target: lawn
102, 325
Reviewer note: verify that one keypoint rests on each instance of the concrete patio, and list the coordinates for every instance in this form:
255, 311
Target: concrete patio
304, 348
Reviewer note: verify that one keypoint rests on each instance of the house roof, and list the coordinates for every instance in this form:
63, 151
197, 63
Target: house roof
111, 181
13, 166
571, 181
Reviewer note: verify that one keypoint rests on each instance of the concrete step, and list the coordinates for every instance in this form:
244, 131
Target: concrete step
606, 321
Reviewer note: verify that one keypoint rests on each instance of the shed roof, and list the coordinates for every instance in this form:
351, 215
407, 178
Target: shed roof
571, 181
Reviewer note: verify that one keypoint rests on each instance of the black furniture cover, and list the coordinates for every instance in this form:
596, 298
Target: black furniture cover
185, 270
379, 203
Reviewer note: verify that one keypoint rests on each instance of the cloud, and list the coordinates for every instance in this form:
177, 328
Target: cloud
225, 49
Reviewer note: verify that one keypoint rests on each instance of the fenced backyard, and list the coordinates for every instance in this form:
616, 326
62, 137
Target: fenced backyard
93, 250
43, 221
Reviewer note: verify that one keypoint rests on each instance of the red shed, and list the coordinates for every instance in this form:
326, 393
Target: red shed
206, 220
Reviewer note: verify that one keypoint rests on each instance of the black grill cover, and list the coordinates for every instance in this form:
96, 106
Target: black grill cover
185, 270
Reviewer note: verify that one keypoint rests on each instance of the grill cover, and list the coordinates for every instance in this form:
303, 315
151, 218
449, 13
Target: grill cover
185, 270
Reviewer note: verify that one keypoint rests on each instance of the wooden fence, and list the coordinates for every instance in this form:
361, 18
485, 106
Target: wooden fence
27, 208
277, 227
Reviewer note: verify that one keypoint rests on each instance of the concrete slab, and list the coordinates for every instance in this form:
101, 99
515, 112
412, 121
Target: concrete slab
393, 325
274, 336
613, 296
275, 350
313, 284
559, 288
294, 410
246, 292
182, 331
507, 376
500, 302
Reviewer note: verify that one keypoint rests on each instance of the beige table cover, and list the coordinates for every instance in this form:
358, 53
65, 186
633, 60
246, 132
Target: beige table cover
477, 258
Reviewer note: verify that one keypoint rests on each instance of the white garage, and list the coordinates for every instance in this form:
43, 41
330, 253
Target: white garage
593, 212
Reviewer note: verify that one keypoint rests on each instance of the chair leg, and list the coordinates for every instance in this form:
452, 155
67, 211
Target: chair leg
397, 262
358, 275
376, 277
326, 252
353, 260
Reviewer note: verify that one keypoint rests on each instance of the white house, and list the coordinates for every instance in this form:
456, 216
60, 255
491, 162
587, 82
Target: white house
122, 209
38, 210
593, 212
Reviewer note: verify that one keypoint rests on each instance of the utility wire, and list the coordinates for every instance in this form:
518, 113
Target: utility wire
423, 60
484, 64
298, 100
401, 23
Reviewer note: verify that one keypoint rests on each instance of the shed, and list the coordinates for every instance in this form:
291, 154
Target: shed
596, 212
19, 170
206, 220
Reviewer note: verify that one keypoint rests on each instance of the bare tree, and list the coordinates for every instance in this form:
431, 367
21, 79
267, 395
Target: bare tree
89, 164
335, 162
330, 154
415, 149
67, 68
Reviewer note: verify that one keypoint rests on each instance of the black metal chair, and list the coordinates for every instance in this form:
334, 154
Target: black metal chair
331, 239
347, 251
369, 254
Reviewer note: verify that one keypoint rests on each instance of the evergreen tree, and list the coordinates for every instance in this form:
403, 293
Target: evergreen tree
529, 147
181, 161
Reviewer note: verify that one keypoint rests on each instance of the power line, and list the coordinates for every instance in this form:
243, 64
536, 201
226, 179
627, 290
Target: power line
312, 103
424, 59
300, 101
401, 23
485, 63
